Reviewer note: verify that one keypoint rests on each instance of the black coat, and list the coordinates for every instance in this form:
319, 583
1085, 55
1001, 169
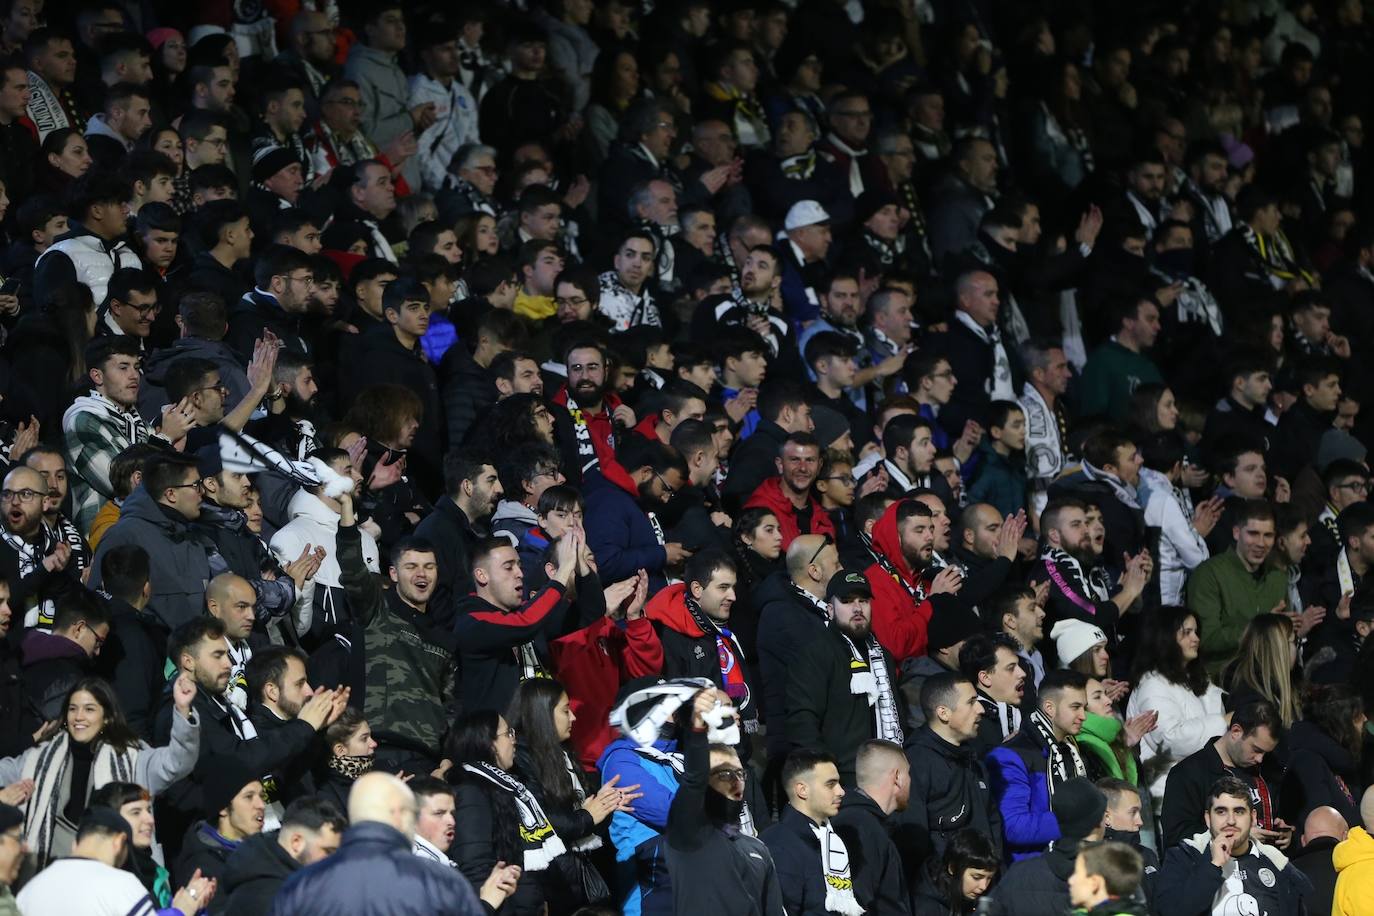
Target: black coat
450, 531
1036, 886
17, 723
971, 360
1320, 772
468, 390
255, 313
133, 661
1185, 792
201, 850
52, 667
950, 791
822, 712
797, 857
1295, 441
753, 462
1189, 881
252, 876
874, 863
478, 844
1315, 862
787, 621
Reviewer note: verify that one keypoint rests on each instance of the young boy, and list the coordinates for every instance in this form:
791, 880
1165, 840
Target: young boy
1000, 478
1105, 876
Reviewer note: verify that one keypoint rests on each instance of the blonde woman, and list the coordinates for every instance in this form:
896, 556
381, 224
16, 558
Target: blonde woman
1263, 667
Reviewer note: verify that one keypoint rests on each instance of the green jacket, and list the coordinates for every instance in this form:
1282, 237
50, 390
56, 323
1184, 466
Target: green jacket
999, 481
7, 905
1097, 736
1110, 377
1226, 596
411, 668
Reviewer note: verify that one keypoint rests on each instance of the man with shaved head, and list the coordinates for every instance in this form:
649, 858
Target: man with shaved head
231, 599
374, 873
792, 612
882, 777
1321, 832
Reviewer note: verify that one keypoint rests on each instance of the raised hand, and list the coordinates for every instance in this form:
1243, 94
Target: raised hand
59, 558
617, 593
947, 581
1009, 538
635, 610
183, 692
16, 793
1137, 727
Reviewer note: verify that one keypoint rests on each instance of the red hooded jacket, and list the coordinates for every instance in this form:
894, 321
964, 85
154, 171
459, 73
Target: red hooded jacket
602, 431
592, 664
899, 621
769, 496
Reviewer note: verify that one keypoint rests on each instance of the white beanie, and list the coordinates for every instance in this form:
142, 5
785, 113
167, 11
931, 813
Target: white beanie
1074, 637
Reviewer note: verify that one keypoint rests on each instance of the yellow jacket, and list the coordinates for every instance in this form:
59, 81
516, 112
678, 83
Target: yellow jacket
1354, 862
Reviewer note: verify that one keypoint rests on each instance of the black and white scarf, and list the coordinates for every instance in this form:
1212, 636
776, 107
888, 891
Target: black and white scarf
1007, 715
1124, 492
1045, 452
541, 843
531, 668
1067, 575
868, 678
63, 530
888, 252
642, 715
586, 451
999, 386
49, 766
591, 841
37, 613
800, 167
839, 886
1064, 762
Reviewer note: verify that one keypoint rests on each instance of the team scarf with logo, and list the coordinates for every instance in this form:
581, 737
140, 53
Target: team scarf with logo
868, 678
37, 612
1065, 762
541, 842
586, 450
839, 887
730, 657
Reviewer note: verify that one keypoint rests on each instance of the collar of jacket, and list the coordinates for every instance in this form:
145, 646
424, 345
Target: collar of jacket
1201, 842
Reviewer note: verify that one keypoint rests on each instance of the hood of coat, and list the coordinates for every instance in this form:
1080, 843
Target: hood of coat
1357, 848
44, 647
888, 542
669, 607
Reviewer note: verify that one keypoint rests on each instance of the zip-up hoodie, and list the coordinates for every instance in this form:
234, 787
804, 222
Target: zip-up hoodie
489, 639
1354, 862
899, 621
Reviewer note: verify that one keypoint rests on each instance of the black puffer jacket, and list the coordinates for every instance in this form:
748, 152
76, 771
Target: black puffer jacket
252, 876
950, 792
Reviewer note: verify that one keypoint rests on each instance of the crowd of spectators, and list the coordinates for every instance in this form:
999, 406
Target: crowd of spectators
747, 457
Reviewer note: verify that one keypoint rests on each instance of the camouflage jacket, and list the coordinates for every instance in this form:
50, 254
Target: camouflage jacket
411, 668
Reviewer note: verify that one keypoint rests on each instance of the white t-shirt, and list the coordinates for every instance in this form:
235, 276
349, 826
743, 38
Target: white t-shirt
84, 887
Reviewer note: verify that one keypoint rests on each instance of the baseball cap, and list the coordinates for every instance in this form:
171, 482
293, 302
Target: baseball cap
848, 584
805, 213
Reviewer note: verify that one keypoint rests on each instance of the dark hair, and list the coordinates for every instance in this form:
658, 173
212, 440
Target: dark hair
378, 411
462, 465
979, 653
900, 432
1160, 652
828, 344
344, 727
124, 570
124, 464
428, 787
999, 413
77, 605
940, 690
1057, 681
115, 795
803, 760
473, 734
522, 465
209, 177
692, 436
1257, 714
509, 423
531, 715
127, 280
268, 666
116, 731
166, 470
1119, 866
97, 187
278, 261
409, 544
156, 216
1254, 510
702, 566
145, 164
559, 496
184, 376
777, 396
967, 849
1332, 708
1229, 785
214, 217
1162, 450
314, 813
186, 637
1354, 521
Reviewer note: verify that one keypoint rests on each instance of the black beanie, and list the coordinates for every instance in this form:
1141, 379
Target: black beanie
948, 627
1078, 805
222, 782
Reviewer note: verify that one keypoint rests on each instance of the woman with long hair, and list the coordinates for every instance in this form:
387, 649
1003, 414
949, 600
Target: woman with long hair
352, 752
1154, 409
1263, 666
615, 84
65, 159
1325, 750
498, 819
1109, 741
543, 720
1171, 680
95, 747
952, 884
167, 141
757, 547
1059, 130
477, 237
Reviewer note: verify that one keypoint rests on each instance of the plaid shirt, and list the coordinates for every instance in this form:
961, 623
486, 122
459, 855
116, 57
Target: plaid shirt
94, 431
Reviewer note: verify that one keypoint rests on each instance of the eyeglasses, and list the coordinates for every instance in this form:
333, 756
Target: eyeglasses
730, 775
671, 491
151, 308
1359, 486
825, 542
198, 486
847, 479
221, 388
25, 495
574, 301
308, 280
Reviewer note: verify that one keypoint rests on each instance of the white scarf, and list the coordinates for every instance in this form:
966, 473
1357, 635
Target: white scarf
856, 178
868, 678
643, 726
1147, 219
591, 841
839, 887
45, 107
239, 657
48, 767
1344, 573
541, 843
30, 556
999, 387
1044, 449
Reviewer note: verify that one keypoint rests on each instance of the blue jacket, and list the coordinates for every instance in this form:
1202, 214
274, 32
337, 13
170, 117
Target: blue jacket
999, 481
638, 838
1017, 771
375, 873
619, 534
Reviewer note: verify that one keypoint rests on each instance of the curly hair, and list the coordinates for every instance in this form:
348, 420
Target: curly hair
380, 411
1161, 653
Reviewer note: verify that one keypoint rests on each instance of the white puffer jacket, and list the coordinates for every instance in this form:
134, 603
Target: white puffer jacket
1186, 722
93, 259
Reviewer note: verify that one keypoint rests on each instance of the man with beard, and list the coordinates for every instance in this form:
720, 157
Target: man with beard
1047, 423
949, 783
595, 410
992, 664
1066, 561
1028, 770
750, 305
788, 495
459, 521
314, 523
623, 527
278, 302
1143, 200
33, 560
1205, 186
704, 833
986, 551
881, 789
1019, 612
1108, 477
276, 683
692, 619
310, 832
395, 635
902, 579
290, 424
498, 629
1231, 588
52, 464
842, 685
1227, 868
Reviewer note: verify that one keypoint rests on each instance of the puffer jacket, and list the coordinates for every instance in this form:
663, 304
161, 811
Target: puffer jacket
179, 558
80, 256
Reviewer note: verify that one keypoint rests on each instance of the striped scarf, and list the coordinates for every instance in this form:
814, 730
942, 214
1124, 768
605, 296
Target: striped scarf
541, 843
48, 767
